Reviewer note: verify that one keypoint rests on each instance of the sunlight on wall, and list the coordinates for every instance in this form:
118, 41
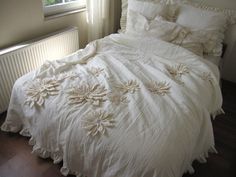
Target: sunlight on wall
90, 13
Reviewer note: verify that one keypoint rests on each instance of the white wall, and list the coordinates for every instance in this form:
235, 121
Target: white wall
22, 20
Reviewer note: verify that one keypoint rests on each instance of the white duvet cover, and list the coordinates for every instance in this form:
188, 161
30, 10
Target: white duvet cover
122, 107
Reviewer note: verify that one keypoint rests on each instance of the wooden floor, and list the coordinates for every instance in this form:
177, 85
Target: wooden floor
16, 159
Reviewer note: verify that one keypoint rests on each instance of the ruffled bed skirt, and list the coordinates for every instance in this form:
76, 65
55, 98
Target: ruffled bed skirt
57, 155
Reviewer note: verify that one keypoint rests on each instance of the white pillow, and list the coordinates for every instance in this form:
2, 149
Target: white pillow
150, 9
210, 24
158, 27
172, 9
195, 40
195, 18
139, 26
230, 14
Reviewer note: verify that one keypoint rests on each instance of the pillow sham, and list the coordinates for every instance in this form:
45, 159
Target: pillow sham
230, 14
162, 7
139, 25
195, 18
211, 26
201, 41
150, 9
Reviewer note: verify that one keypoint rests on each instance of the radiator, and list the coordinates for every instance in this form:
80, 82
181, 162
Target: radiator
25, 57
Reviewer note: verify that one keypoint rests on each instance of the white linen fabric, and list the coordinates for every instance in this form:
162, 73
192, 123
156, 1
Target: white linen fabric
227, 9
123, 106
139, 25
149, 8
216, 60
202, 42
200, 19
211, 26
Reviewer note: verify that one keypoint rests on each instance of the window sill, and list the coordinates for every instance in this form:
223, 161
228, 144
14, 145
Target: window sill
49, 17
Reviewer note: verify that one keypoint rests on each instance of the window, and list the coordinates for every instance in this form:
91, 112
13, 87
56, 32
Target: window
52, 7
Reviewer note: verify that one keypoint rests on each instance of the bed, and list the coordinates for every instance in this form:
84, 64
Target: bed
138, 103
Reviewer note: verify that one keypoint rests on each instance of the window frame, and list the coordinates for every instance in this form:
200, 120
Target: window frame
64, 7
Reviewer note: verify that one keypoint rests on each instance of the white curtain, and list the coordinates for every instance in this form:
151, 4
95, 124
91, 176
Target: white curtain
101, 18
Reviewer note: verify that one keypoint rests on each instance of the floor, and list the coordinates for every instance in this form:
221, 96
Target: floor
16, 159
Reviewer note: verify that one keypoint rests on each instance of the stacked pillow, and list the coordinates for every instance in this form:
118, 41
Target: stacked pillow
207, 28
158, 27
165, 8
185, 24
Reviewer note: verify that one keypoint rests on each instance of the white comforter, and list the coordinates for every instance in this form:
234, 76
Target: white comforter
122, 107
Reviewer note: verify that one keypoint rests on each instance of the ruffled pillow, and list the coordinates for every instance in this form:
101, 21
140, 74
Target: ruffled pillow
157, 7
203, 42
208, 25
230, 14
139, 25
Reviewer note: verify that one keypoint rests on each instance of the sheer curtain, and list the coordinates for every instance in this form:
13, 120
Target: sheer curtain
101, 18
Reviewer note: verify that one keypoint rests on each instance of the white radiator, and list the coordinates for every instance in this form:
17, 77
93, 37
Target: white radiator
23, 58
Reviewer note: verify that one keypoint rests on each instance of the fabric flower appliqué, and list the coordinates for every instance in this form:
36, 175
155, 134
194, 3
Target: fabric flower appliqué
131, 86
117, 98
178, 71
96, 71
207, 77
160, 88
97, 122
39, 90
94, 94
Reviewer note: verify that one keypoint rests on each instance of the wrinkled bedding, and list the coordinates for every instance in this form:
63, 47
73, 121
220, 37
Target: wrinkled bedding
121, 107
